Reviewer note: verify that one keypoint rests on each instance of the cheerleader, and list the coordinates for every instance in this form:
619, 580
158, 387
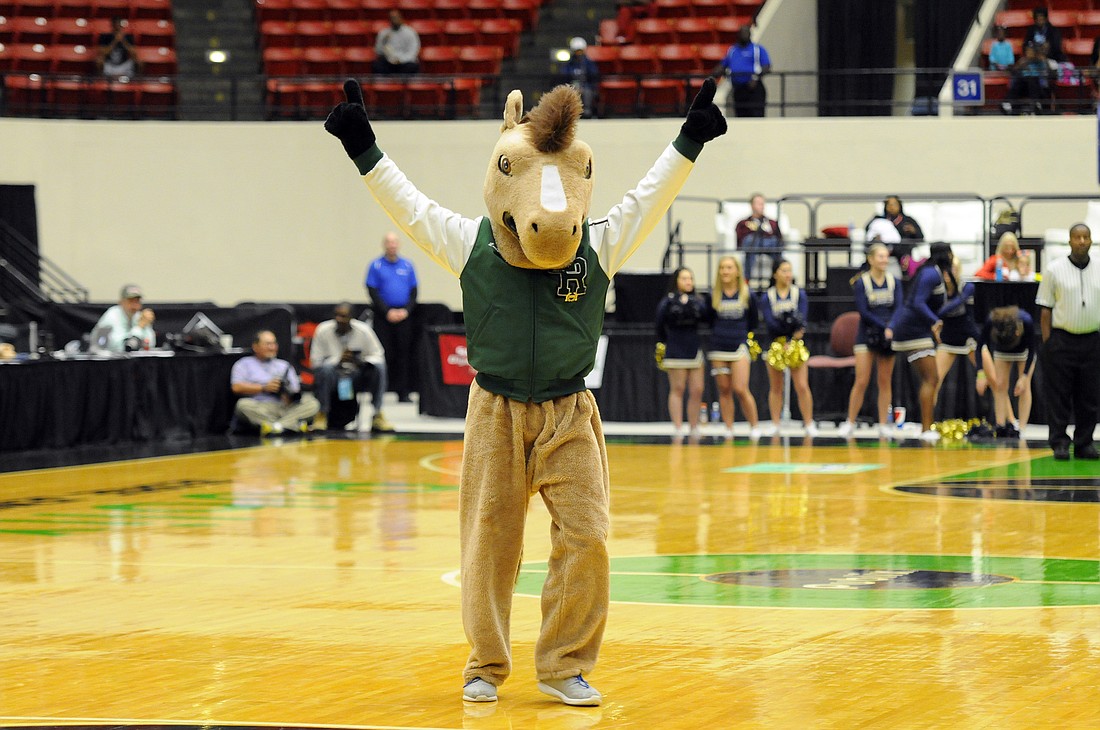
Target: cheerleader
784, 309
733, 316
679, 350
1007, 339
878, 297
915, 328
960, 334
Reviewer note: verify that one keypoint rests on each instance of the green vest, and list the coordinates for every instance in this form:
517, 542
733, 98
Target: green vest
531, 334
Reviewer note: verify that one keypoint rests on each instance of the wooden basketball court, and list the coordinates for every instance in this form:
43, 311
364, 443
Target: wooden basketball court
769, 585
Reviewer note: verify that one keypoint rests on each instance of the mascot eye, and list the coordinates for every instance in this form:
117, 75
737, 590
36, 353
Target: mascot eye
588, 171
504, 165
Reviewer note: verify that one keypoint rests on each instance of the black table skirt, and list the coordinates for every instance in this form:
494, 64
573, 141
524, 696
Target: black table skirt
61, 404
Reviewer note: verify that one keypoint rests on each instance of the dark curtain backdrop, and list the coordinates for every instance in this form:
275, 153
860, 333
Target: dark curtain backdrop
939, 29
17, 210
854, 35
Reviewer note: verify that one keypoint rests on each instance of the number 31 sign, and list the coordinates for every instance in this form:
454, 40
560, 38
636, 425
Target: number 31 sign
968, 88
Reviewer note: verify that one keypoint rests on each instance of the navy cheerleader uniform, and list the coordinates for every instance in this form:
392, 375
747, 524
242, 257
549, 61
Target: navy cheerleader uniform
678, 327
1022, 351
783, 316
731, 323
877, 304
959, 335
912, 323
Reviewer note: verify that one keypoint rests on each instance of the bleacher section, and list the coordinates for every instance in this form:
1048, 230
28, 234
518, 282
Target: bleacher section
309, 46
48, 51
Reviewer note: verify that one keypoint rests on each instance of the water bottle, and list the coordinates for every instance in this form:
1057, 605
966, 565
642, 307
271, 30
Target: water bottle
1000, 275
715, 412
702, 413
851, 230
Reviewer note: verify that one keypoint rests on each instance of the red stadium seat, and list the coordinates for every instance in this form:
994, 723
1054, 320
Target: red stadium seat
725, 29
80, 97
339, 10
378, 9
314, 33
24, 95
283, 99
1015, 22
672, 8
710, 8
111, 9
387, 99
273, 10
151, 32
608, 34
78, 60
156, 99
525, 11
32, 30
347, 33
463, 97
160, 61
414, 9
35, 8
661, 96
122, 97
654, 31
695, 30
460, 32
358, 60
638, 60
1078, 51
430, 31
481, 60
278, 34
7, 30
1088, 23
441, 60
322, 61
150, 10
451, 10
315, 11
606, 58
74, 8
485, 9
78, 31
711, 54
1064, 19
682, 58
31, 58
426, 99
282, 61
501, 32
318, 98
618, 97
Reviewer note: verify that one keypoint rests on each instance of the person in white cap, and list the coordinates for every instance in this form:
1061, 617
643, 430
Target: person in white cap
130, 325
582, 73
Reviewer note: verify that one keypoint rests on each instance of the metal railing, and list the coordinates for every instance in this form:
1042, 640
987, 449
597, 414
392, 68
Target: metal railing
20, 262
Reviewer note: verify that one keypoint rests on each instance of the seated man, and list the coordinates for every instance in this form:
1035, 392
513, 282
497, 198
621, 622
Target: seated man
127, 325
271, 395
345, 348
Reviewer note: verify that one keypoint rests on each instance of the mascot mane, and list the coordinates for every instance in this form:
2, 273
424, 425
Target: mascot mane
554, 120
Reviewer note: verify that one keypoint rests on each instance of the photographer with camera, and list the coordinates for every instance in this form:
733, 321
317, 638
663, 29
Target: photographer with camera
128, 326
271, 394
347, 358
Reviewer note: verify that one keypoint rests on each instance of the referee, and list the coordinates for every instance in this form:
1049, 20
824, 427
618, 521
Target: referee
1069, 295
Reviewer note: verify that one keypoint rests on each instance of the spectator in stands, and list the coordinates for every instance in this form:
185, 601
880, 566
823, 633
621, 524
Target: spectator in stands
1042, 33
127, 326
1001, 55
271, 396
785, 309
733, 317
878, 296
759, 236
897, 230
679, 347
398, 48
1030, 82
916, 326
116, 55
583, 74
391, 284
1069, 295
1007, 339
1009, 263
346, 359
746, 63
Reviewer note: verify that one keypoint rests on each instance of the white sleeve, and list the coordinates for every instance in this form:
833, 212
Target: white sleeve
374, 354
444, 235
617, 235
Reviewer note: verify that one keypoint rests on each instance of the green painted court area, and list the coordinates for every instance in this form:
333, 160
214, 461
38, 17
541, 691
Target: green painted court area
845, 581
769, 467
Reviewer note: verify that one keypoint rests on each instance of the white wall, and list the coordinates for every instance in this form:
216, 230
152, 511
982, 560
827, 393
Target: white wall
275, 211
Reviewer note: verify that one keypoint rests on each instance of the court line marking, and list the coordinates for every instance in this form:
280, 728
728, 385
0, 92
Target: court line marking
207, 723
120, 462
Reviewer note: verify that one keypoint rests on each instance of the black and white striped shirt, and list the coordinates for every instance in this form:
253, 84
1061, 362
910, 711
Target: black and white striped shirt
1072, 294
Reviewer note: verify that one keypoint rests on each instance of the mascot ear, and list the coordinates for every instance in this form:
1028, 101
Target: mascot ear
513, 110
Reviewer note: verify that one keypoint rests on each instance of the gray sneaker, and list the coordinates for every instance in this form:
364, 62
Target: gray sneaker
478, 690
572, 691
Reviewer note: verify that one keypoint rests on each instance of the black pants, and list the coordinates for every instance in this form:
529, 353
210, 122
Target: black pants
749, 99
397, 340
1071, 387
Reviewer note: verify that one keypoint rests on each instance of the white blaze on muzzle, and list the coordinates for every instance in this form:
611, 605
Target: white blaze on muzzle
553, 193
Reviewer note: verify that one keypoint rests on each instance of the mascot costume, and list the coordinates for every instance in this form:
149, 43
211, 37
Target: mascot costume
534, 273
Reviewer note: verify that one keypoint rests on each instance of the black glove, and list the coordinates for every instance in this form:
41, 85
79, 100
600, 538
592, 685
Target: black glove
704, 120
348, 121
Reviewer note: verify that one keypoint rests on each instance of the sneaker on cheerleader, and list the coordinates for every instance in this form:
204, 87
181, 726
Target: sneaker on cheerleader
812, 429
845, 429
756, 432
887, 431
769, 428
930, 436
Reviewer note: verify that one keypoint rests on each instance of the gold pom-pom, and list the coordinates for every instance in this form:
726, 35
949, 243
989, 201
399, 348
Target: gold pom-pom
797, 354
659, 355
954, 429
777, 354
754, 348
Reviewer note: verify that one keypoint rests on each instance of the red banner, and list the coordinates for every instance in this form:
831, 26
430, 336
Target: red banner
452, 355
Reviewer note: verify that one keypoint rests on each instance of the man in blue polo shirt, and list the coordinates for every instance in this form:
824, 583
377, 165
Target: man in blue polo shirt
391, 283
746, 63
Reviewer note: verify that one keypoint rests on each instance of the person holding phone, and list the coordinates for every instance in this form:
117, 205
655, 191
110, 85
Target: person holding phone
271, 396
347, 358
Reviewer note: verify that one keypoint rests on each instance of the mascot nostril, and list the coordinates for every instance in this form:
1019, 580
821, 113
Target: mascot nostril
533, 307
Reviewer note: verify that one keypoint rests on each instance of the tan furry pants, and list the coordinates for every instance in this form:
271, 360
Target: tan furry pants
512, 450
